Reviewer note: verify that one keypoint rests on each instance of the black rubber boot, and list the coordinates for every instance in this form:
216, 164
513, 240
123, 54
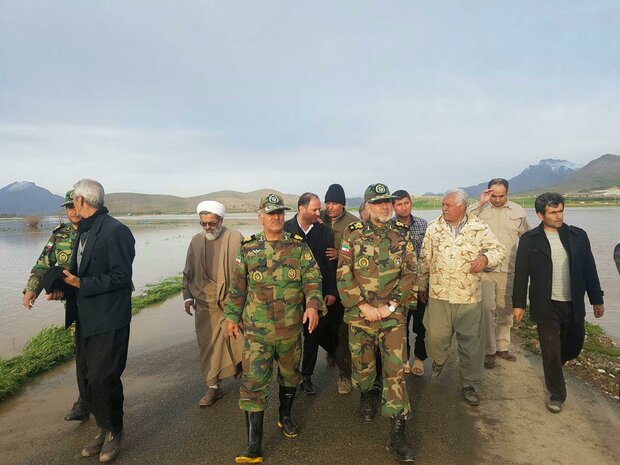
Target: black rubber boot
397, 445
368, 407
79, 411
254, 427
287, 396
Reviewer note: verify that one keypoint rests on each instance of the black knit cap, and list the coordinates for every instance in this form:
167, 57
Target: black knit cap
335, 193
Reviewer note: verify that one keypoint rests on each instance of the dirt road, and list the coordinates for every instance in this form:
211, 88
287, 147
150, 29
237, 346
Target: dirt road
164, 424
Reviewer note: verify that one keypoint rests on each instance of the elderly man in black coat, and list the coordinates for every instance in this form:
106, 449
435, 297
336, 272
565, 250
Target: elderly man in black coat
100, 275
557, 260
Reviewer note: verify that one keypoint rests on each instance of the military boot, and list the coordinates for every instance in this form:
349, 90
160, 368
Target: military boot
368, 407
287, 395
397, 446
254, 427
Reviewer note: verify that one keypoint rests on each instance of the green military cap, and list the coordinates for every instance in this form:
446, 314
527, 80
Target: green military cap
376, 193
272, 203
68, 199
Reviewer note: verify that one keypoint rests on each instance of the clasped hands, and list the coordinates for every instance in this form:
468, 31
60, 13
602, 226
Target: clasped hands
376, 313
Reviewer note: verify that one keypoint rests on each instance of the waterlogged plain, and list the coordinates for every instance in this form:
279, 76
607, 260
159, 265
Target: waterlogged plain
161, 244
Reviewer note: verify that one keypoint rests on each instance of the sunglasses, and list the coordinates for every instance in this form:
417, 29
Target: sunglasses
210, 224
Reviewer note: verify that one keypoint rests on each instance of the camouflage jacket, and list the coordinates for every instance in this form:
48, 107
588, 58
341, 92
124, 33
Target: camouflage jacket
445, 260
272, 285
376, 265
57, 251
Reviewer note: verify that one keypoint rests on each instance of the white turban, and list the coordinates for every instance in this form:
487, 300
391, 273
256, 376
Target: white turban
211, 206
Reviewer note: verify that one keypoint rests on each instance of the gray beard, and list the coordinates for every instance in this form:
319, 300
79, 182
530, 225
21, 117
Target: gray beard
211, 236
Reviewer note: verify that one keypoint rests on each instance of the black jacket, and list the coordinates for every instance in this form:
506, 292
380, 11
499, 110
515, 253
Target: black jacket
103, 301
319, 239
533, 262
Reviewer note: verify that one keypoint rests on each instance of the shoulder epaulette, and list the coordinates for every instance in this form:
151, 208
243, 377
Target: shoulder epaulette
59, 227
356, 225
297, 237
401, 225
249, 239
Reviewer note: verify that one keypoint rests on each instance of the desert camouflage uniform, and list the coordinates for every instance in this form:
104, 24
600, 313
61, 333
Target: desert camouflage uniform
376, 265
273, 283
57, 251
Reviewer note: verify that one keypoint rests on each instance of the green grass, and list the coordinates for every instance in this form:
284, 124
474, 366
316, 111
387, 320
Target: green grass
54, 345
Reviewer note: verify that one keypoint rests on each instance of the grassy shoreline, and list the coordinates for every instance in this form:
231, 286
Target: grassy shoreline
598, 365
54, 345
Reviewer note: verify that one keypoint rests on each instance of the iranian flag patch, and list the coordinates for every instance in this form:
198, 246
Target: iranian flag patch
345, 249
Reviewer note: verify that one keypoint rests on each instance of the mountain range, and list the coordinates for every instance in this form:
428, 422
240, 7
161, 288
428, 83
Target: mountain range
26, 198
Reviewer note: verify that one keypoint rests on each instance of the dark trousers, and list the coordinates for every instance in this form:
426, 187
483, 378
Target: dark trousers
100, 362
311, 345
336, 337
561, 339
417, 316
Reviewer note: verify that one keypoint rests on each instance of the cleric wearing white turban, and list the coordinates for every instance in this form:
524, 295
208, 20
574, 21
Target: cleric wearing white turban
206, 279
211, 206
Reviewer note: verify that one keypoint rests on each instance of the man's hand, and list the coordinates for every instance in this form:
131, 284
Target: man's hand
71, 279
518, 313
28, 299
58, 294
370, 313
312, 317
479, 264
188, 306
232, 329
330, 299
599, 310
423, 296
331, 253
485, 197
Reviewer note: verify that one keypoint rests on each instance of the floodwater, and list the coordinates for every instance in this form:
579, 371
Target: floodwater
161, 244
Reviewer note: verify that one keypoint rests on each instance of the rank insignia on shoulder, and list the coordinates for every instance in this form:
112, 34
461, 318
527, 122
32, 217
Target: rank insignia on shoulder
409, 247
399, 224
60, 226
298, 237
356, 225
248, 239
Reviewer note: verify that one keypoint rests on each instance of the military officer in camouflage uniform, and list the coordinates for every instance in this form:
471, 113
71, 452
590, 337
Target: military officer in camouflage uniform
276, 288
57, 251
377, 281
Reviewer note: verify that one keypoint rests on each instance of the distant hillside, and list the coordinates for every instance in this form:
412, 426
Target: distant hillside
602, 173
26, 198
545, 173
121, 203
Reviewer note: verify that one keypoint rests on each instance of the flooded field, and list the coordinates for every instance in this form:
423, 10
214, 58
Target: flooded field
161, 244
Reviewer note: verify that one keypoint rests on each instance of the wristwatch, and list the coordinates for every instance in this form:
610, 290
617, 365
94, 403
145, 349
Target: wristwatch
391, 308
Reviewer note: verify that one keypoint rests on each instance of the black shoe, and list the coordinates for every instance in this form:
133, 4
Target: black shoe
254, 427
307, 386
368, 407
111, 446
287, 396
437, 369
79, 412
470, 396
94, 446
397, 446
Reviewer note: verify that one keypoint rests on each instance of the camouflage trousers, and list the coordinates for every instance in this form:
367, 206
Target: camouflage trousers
363, 340
259, 354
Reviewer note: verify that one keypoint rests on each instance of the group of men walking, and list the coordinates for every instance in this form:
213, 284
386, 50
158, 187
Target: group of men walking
325, 278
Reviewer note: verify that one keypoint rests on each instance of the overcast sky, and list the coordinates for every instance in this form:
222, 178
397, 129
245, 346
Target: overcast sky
189, 97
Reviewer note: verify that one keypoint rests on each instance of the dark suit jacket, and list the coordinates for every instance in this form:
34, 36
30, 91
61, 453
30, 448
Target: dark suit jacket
533, 262
319, 238
103, 301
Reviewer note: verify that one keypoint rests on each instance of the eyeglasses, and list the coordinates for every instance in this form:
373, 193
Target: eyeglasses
210, 224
